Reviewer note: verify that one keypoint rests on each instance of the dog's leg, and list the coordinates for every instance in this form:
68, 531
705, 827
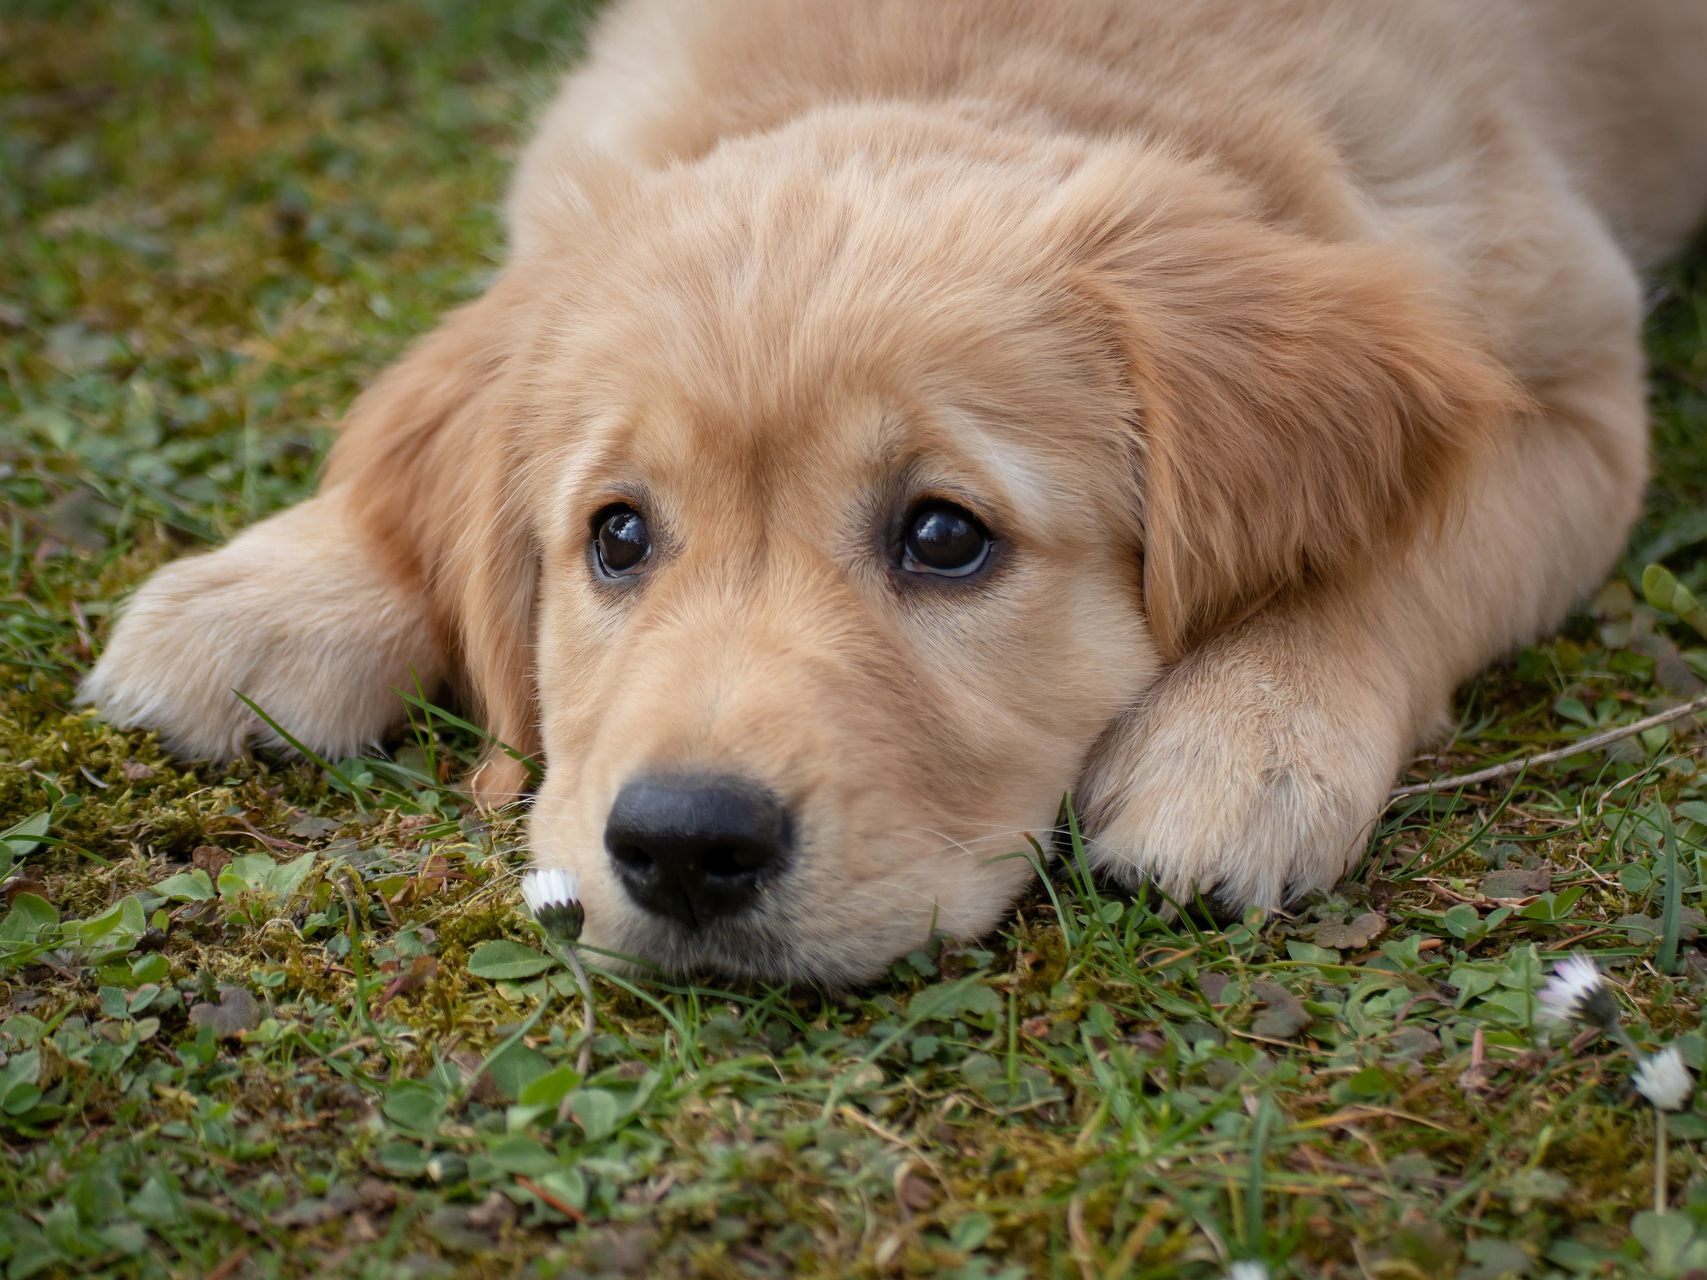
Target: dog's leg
322, 613
297, 615
1259, 765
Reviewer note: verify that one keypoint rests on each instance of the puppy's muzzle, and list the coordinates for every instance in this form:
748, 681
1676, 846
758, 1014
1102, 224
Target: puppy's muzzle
696, 849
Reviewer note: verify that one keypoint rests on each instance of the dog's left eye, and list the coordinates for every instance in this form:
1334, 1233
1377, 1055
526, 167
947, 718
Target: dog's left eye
944, 540
621, 540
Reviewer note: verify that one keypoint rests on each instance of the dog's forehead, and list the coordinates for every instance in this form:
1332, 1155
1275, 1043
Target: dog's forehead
816, 461
720, 362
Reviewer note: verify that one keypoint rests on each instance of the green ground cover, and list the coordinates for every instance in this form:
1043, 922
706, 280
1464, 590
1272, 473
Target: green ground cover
270, 1020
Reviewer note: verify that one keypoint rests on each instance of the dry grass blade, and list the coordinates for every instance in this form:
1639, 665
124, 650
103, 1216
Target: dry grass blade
1512, 768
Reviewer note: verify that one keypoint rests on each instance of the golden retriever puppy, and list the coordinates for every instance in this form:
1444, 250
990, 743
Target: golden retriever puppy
893, 416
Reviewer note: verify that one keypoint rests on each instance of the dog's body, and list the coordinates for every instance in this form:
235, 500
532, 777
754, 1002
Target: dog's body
1279, 361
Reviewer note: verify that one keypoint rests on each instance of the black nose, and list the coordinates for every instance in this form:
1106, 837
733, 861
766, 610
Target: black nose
696, 848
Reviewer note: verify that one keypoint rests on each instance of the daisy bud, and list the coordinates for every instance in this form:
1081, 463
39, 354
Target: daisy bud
1577, 993
554, 897
1664, 1081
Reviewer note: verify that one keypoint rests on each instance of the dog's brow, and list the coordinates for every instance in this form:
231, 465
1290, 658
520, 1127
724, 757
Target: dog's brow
596, 451
893, 440
1005, 470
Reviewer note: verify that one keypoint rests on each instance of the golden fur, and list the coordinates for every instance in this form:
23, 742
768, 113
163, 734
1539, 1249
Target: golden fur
1290, 349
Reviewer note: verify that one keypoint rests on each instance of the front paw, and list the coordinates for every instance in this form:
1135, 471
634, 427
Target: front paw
1241, 779
293, 615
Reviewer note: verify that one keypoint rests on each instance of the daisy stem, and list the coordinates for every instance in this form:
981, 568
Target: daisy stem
568, 955
1659, 1161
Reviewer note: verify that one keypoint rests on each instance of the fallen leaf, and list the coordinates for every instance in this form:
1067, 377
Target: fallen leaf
421, 971
456, 1229
437, 873
26, 879
235, 1013
1646, 928
913, 1192
211, 859
311, 826
493, 1213
1517, 882
1353, 935
1414, 1042
1284, 1015
376, 1194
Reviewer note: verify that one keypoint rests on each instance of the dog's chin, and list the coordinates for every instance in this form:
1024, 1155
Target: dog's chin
754, 946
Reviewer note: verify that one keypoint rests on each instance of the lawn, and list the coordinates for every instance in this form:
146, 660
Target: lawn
283, 1019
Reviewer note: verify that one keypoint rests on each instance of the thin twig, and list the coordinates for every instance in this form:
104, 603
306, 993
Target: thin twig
1590, 743
272, 842
558, 1203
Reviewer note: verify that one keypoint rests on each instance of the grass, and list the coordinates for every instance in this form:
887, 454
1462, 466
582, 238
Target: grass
275, 1019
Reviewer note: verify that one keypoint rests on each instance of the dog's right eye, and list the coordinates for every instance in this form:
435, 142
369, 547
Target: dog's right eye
944, 541
621, 541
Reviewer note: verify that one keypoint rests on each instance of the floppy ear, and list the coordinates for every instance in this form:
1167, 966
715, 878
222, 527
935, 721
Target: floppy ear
1298, 403
426, 454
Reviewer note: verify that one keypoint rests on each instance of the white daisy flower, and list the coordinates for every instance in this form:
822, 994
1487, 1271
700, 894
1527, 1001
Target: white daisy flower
1664, 1081
1578, 993
1247, 1271
553, 895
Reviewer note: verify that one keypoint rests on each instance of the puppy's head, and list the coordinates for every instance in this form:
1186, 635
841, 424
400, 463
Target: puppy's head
832, 495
